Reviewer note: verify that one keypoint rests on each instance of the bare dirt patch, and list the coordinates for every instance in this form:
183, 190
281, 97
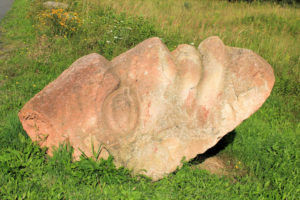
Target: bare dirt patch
223, 165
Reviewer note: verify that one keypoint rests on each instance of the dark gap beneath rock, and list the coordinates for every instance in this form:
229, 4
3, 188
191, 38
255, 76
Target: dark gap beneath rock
221, 145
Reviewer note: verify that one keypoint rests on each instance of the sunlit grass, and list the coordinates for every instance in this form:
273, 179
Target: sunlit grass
271, 30
265, 147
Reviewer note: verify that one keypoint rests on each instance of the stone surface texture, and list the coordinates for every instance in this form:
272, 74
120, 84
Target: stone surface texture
149, 107
55, 5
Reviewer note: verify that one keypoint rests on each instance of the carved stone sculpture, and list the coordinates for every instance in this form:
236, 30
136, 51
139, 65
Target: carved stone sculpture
150, 107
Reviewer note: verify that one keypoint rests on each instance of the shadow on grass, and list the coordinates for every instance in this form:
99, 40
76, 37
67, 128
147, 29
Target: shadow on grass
221, 145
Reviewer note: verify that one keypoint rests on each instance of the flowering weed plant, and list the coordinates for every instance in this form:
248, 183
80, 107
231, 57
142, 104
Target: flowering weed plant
61, 22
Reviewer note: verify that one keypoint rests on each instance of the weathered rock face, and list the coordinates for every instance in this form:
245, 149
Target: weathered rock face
150, 107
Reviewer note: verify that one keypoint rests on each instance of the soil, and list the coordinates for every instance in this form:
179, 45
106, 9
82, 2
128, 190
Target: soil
223, 165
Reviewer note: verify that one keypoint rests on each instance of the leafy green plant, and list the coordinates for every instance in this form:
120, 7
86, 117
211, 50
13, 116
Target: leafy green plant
114, 33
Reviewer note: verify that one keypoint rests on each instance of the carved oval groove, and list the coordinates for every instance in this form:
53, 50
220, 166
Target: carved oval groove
121, 111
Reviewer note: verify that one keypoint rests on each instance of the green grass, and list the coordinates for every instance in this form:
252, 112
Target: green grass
267, 144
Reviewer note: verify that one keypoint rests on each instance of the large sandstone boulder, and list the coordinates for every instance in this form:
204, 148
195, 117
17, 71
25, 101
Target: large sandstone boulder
149, 107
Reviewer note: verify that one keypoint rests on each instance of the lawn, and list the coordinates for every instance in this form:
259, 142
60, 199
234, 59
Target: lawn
38, 44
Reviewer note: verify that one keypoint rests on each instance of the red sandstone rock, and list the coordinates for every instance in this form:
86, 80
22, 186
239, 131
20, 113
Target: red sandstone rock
150, 107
